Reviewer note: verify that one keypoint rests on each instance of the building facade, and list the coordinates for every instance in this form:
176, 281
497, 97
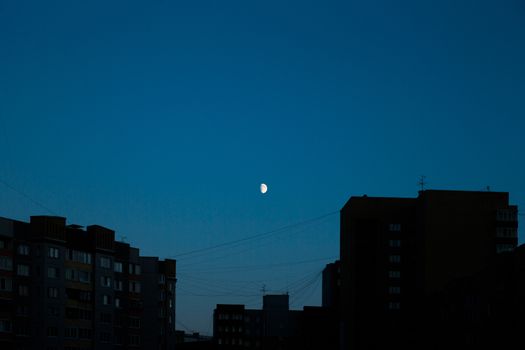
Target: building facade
274, 327
399, 255
66, 287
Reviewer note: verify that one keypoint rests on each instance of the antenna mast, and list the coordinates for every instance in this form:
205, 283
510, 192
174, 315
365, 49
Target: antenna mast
422, 183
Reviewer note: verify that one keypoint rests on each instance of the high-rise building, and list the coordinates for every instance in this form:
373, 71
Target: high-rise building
66, 287
398, 255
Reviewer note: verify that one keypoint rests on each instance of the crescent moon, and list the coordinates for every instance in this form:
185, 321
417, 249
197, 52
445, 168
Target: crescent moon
264, 188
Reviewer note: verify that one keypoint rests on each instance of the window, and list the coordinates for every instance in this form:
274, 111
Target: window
23, 290
23, 330
134, 287
105, 317
394, 305
394, 227
117, 302
52, 331
70, 332
53, 253
84, 296
23, 249
52, 292
105, 281
118, 285
507, 215
106, 299
118, 266
394, 290
6, 263
5, 326
394, 259
134, 322
501, 248
22, 270
78, 256
85, 314
394, 274
84, 276
105, 262
134, 340
506, 232
162, 279
105, 337
134, 269
22, 310
394, 243
53, 311
52, 272
84, 333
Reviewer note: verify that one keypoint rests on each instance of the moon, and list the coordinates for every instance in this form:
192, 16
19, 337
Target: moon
264, 188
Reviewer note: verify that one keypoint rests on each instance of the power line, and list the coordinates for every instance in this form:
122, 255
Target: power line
209, 259
23, 194
224, 244
259, 267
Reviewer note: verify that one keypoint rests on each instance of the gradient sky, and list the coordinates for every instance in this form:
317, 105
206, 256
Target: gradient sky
159, 119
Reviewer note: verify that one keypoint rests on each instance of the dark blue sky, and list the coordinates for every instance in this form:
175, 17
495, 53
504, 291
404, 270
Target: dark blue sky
160, 120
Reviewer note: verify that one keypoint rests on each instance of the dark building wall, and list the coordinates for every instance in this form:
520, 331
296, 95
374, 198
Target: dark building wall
159, 305
331, 288
398, 253
61, 292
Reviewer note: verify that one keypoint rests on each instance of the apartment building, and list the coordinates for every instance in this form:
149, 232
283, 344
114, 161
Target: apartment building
68, 287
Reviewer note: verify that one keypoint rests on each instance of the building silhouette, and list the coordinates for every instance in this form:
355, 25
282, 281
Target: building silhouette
65, 287
275, 326
399, 256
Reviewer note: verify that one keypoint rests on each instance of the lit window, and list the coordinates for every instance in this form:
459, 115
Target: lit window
106, 299
117, 302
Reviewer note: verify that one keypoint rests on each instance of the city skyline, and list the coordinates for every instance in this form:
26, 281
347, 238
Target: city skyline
161, 121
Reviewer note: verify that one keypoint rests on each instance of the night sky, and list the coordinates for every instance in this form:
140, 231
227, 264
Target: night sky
160, 119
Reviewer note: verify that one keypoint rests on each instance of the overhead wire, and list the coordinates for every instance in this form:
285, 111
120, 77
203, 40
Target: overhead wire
252, 237
25, 195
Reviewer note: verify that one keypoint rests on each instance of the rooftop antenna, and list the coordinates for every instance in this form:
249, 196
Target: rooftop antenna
263, 289
422, 183
487, 188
